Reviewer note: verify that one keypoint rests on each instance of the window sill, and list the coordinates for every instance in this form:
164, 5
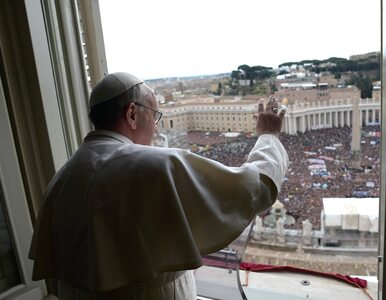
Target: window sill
219, 283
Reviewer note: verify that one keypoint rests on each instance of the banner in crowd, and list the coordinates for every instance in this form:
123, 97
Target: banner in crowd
309, 153
316, 161
326, 158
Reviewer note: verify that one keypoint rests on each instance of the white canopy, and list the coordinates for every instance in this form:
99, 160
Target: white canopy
352, 213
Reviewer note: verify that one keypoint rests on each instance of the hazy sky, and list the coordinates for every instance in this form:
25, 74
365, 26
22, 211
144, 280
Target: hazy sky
164, 38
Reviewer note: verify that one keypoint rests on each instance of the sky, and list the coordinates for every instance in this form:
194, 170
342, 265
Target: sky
175, 38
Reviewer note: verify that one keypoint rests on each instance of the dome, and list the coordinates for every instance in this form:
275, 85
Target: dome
278, 205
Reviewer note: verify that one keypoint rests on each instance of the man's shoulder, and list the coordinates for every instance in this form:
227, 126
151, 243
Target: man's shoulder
150, 154
125, 156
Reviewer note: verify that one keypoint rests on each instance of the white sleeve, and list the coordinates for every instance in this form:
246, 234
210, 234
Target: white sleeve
270, 158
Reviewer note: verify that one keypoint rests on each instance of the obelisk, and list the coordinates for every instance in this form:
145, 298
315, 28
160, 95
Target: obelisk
356, 136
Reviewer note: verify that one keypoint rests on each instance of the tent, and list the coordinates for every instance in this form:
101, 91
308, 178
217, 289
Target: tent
351, 213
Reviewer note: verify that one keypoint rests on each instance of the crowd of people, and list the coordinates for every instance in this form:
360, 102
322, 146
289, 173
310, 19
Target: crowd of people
320, 165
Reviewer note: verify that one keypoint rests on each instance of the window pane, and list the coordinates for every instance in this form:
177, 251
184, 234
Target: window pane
9, 271
326, 215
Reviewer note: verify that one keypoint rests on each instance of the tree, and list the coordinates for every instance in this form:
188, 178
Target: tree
272, 86
219, 89
236, 75
363, 83
245, 69
180, 87
282, 72
366, 87
261, 90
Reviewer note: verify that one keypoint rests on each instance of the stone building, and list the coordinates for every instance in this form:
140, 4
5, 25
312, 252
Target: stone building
236, 115
311, 92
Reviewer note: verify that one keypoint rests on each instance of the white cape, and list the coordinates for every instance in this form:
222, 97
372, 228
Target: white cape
118, 213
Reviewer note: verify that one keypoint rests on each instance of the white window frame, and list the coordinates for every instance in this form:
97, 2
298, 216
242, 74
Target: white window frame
58, 57
16, 208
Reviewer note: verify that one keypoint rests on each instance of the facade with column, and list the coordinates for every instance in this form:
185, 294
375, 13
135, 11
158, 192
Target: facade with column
237, 115
225, 115
332, 113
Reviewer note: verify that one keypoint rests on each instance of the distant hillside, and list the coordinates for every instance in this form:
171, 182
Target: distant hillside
194, 77
337, 65
360, 70
373, 56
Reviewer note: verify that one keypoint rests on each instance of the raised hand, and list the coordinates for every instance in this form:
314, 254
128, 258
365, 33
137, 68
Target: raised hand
269, 117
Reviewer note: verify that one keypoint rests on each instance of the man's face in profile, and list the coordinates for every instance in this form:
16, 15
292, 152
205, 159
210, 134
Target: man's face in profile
146, 126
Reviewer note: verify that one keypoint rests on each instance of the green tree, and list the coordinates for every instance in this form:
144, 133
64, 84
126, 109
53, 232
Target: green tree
363, 83
219, 89
282, 72
244, 70
272, 86
236, 75
260, 90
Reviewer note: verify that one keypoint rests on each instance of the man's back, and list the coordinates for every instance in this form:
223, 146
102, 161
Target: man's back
122, 213
116, 206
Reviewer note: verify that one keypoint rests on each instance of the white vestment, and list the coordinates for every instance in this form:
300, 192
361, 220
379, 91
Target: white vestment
119, 215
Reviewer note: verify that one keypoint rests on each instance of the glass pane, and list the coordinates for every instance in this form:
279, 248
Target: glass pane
9, 271
326, 216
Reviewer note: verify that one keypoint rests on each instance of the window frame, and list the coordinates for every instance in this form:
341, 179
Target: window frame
17, 210
382, 204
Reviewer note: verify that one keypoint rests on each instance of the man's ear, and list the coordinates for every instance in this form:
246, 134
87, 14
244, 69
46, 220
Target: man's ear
131, 116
